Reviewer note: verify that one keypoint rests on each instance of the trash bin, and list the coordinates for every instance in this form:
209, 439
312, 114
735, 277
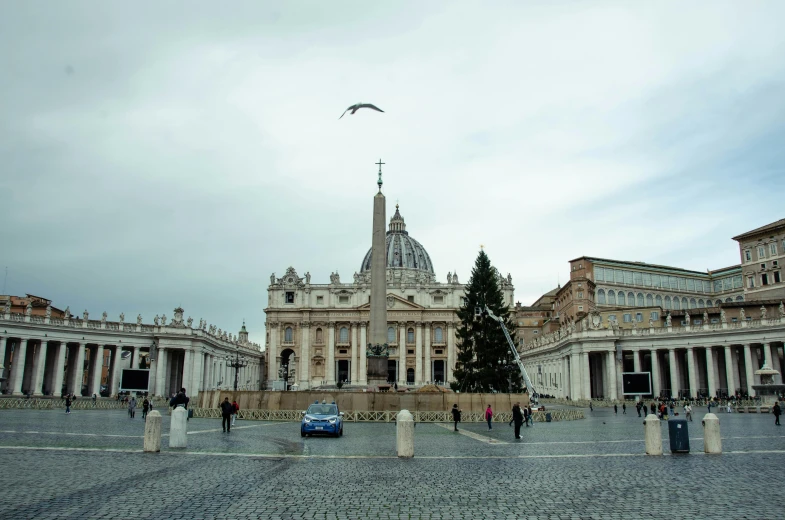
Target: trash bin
190, 413
548, 417
679, 436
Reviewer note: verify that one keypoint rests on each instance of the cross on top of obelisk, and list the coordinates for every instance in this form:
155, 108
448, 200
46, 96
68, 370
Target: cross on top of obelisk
379, 181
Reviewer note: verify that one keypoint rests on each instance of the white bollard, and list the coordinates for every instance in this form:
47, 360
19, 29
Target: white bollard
711, 434
405, 434
179, 428
152, 432
653, 435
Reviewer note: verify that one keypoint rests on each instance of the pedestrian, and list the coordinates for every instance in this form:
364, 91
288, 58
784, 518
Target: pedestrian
591, 408
653, 408
517, 418
531, 416
709, 406
226, 413
67, 404
615, 408
623, 408
132, 407
638, 407
672, 408
776, 411
456, 415
730, 410
180, 399
688, 412
235, 409
489, 416
526, 416
145, 408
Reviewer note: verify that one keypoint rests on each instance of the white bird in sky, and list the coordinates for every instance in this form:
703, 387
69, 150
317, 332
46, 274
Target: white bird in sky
358, 106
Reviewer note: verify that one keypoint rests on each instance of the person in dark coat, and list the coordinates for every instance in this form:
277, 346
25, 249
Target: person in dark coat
526, 416
776, 410
68, 404
179, 399
226, 413
615, 408
145, 408
517, 418
456, 415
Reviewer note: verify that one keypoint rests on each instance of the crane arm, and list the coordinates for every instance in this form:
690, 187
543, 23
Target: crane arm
524, 375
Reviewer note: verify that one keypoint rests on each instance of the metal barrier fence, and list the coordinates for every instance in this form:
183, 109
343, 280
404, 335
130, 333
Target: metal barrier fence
78, 404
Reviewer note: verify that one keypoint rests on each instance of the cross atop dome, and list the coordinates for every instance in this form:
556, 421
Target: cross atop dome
379, 181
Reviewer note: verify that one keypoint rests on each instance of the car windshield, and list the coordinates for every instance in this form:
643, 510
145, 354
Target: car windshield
323, 409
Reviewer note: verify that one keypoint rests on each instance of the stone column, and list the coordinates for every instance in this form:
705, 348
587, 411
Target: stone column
331, 353
3, 343
198, 372
117, 367
575, 379
691, 372
612, 374
362, 365
767, 355
160, 372
655, 373
729, 370
18, 367
188, 371
636, 361
748, 369
39, 367
304, 367
272, 359
585, 375
710, 372
135, 357
674, 372
451, 354
418, 379
428, 373
355, 350
57, 380
401, 353
79, 370
98, 364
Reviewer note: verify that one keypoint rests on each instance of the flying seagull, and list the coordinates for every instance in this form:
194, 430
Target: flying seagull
358, 106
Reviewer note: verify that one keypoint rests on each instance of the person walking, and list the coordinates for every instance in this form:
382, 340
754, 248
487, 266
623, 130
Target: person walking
623, 408
235, 409
526, 416
145, 408
226, 413
615, 408
638, 407
132, 407
489, 416
517, 418
456, 415
531, 416
67, 404
688, 411
591, 408
776, 410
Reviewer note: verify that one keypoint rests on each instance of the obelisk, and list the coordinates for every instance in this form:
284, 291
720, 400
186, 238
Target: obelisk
377, 341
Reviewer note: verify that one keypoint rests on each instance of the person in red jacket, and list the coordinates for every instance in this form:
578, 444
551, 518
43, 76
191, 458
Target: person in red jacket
489, 416
235, 409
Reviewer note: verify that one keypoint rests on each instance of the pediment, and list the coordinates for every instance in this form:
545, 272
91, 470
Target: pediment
395, 302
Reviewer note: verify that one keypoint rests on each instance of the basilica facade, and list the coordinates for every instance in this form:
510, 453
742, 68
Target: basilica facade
317, 333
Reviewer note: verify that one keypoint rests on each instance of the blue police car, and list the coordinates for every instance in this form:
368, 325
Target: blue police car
322, 419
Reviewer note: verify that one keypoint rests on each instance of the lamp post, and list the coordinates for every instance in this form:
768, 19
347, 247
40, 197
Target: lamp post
237, 362
286, 373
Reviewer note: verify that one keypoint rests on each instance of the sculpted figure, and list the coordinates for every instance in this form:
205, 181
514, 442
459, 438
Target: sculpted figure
723, 318
307, 277
29, 309
668, 319
85, 315
762, 312
122, 317
156, 319
103, 317
449, 276
705, 318
272, 279
455, 278
687, 317
7, 308
163, 319
190, 321
782, 310
139, 319
48, 311
742, 315
509, 278
68, 313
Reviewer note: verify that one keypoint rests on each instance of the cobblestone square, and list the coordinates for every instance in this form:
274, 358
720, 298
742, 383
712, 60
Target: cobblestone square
90, 465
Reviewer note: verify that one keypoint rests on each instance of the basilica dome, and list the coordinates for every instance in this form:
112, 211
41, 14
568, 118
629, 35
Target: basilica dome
403, 252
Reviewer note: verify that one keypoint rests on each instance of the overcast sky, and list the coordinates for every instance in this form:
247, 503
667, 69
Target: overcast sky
163, 154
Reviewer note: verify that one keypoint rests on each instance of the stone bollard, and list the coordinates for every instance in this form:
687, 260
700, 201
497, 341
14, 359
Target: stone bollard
653, 435
179, 428
404, 434
711, 434
152, 432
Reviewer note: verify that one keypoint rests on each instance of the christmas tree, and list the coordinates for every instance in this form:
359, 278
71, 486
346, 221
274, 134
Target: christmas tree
485, 362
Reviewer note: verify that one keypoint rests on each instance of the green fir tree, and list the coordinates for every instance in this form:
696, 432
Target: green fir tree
485, 362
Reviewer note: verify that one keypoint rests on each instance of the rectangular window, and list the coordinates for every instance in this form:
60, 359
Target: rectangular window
289, 296
655, 315
536, 331
775, 263
627, 318
727, 284
410, 351
777, 278
750, 282
628, 277
674, 282
764, 279
762, 267
611, 317
319, 300
618, 275
639, 317
638, 277
410, 298
747, 255
715, 320
647, 279
717, 285
438, 299
682, 283
690, 284
773, 248
343, 299
655, 280
599, 274
580, 307
761, 252
438, 351
734, 320
580, 294
698, 322
737, 282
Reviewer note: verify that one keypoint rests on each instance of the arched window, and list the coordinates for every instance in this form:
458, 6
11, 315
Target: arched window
701, 303
728, 300
685, 304
601, 296
288, 335
630, 299
658, 300
438, 335
390, 334
649, 300
410, 336
676, 304
612, 297
717, 303
667, 302
622, 299
640, 299
693, 303
319, 337
343, 335
739, 298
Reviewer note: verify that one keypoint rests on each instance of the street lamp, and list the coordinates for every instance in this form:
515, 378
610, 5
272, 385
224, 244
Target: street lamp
286, 373
237, 362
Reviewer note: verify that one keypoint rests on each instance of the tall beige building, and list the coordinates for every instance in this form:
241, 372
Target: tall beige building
762, 252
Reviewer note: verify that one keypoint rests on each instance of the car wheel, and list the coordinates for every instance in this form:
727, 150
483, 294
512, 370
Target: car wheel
302, 433
340, 434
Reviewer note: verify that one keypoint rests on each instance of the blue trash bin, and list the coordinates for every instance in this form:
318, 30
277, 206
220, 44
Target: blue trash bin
679, 436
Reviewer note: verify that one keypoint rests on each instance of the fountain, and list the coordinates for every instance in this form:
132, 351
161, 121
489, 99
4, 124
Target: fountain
767, 390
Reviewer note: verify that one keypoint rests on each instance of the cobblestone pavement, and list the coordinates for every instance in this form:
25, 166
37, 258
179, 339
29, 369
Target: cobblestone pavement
90, 465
